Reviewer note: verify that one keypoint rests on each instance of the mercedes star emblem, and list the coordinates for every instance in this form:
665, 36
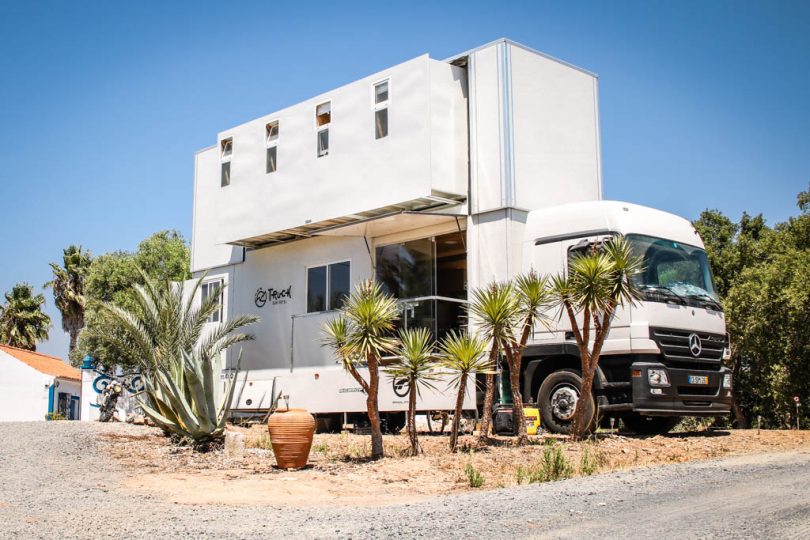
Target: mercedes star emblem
694, 345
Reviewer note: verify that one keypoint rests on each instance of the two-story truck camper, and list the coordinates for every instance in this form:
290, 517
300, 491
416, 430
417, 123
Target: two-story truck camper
435, 178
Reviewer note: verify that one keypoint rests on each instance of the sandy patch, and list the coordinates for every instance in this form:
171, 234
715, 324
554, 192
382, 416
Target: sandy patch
338, 474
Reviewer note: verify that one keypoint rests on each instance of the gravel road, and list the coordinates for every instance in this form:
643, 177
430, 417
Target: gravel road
56, 481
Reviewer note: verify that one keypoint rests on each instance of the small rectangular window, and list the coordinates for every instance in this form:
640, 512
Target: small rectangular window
225, 179
323, 114
328, 286
227, 148
208, 290
271, 132
316, 289
271, 159
381, 123
338, 284
226, 151
380, 92
323, 142
381, 110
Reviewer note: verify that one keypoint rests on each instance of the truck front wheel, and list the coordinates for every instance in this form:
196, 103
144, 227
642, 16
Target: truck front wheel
558, 398
650, 425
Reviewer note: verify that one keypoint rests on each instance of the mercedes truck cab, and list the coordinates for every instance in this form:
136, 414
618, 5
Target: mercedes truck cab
663, 357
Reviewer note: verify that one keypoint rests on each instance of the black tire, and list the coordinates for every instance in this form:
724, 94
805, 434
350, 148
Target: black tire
558, 387
392, 423
650, 425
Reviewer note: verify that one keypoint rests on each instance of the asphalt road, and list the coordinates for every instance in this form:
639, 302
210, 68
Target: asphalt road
55, 481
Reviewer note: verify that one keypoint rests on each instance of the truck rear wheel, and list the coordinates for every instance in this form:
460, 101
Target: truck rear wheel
558, 398
650, 425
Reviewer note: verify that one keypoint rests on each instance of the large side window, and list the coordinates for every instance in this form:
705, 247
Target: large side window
209, 289
327, 286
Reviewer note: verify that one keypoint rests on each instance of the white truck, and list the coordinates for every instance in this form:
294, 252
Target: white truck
437, 177
663, 357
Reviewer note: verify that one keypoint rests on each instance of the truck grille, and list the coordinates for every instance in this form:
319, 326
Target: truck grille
674, 345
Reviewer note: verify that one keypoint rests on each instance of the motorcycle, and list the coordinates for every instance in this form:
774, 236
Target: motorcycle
109, 400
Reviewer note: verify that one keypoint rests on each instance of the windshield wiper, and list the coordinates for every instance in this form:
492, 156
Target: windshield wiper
709, 300
666, 291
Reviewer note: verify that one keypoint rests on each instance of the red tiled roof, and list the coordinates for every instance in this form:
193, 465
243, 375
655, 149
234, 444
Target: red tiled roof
49, 365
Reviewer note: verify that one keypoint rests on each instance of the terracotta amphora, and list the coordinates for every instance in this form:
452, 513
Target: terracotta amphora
291, 433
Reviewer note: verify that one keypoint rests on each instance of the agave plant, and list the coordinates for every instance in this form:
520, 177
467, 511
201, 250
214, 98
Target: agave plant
415, 364
175, 350
463, 355
180, 400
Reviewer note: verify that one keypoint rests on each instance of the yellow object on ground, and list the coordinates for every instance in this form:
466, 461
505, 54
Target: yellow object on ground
532, 417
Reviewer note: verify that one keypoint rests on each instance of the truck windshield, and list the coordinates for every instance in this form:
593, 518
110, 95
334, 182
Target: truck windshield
673, 272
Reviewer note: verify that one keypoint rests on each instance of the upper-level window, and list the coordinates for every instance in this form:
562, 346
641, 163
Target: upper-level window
226, 151
323, 119
327, 286
227, 148
381, 110
271, 132
209, 289
271, 137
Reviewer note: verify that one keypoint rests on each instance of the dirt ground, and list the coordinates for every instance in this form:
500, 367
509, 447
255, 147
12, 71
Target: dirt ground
339, 474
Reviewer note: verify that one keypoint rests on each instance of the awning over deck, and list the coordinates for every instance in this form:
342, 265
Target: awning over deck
393, 223
416, 213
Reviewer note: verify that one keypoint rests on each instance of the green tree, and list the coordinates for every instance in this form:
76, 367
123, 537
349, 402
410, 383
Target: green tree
22, 321
361, 335
597, 284
111, 277
764, 272
415, 363
68, 290
175, 350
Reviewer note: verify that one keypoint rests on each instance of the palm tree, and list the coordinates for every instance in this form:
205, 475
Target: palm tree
22, 321
68, 289
495, 311
415, 364
463, 355
361, 335
175, 350
596, 285
533, 295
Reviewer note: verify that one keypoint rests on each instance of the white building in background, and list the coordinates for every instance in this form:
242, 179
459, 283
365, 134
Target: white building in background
34, 385
421, 175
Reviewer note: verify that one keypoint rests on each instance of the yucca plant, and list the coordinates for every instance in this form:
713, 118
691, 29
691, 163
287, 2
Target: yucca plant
415, 363
463, 355
532, 296
597, 283
360, 336
175, 350
494, 311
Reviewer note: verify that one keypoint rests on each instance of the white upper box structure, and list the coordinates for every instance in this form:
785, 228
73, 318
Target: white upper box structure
500, 127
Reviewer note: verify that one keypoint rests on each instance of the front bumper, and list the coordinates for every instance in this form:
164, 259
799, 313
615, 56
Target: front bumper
681, 397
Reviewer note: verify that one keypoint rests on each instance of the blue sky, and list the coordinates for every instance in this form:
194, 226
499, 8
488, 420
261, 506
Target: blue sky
103, 104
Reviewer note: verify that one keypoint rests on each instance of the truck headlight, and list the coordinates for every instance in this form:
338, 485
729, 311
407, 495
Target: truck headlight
657, 377
726, 353
727, 381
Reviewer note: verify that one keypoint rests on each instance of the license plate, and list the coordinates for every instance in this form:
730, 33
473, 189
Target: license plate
698, 379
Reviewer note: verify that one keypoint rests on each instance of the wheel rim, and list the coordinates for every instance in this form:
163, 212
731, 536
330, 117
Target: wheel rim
563, 400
